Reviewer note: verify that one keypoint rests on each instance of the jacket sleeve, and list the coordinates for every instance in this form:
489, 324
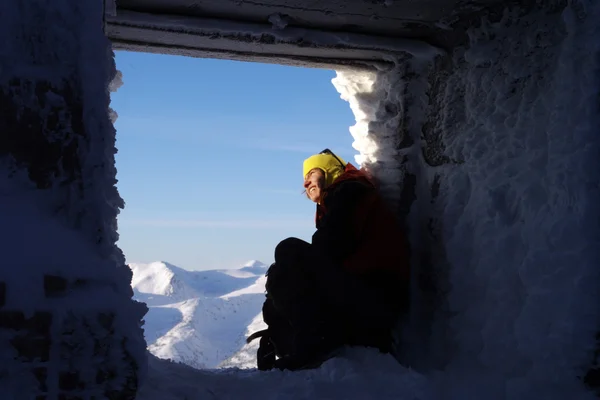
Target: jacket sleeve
336, 236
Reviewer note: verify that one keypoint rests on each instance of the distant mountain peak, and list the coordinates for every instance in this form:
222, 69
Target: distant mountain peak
198, 317
161, 278
253, 267
254, 263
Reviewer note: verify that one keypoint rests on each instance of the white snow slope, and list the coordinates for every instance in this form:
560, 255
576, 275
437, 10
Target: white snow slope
199, 318
245, 358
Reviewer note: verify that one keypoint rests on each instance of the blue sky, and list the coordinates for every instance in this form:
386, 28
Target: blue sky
210, 156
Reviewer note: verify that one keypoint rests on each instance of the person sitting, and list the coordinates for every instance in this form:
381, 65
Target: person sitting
348, 286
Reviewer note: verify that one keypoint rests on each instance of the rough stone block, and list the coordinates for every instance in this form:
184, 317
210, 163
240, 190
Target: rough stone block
120, 395
106, 320
592, 377
2, 294
40, 323
66, 396
68, 380
41, 374
12, 320
25, 128
32, 347
55, 285
103, 376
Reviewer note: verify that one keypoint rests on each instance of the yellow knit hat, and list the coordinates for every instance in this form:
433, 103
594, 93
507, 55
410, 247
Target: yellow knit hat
329, 163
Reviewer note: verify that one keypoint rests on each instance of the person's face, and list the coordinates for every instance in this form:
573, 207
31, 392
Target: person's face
314, 184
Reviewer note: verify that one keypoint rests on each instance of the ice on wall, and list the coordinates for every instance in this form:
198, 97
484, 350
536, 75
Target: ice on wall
67, 225
375, 98
113, 86
507, 184
516, 211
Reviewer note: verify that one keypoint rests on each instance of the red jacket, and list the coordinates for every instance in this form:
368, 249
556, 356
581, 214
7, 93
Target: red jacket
356, 228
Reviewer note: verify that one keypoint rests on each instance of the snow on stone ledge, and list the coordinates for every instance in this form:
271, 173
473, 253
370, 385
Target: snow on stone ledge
376, 100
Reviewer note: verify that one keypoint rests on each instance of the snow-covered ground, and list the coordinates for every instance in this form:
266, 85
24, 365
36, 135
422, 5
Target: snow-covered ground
359, 374
200, 318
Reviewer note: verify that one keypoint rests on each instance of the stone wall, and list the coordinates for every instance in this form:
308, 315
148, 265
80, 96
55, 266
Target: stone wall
58, 348
68, 326
506, 202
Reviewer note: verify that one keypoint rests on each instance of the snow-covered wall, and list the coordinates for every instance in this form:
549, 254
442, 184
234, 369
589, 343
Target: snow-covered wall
68, 325
493, 162
376, 99
489, 152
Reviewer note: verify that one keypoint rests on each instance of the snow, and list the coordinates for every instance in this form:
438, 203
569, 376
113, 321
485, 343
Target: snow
515, 226
200, 318
256, 287
376, 101
217, 29
110, 8
63, 223
278, 21
517, 204
164, 279
512, 225
341, 378
250, 269
245, 357
60, 251
113, 86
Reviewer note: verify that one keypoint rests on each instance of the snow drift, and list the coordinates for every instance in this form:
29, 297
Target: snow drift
358, 374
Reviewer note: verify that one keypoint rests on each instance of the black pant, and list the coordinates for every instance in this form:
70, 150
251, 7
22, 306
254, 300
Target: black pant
316, 293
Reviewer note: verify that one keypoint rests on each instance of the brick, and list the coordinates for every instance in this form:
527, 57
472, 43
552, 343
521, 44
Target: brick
80, 283
592, 377
119, 395
2, 294
25, 128
106, 320
30, 348
54, 285
67, 396
41, 374
12, 320
40, 322
68, 380
103, 376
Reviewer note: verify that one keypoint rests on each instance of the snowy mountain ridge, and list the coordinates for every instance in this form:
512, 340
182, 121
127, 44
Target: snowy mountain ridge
199, 318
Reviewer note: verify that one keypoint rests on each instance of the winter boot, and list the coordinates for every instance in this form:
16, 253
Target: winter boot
265, 356
309, 350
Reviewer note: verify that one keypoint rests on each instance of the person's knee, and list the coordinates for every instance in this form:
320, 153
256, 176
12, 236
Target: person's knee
290, 248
